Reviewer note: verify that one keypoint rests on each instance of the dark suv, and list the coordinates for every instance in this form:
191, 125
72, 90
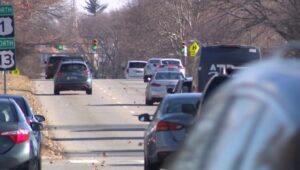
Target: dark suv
52, 64
73, 75
213, 59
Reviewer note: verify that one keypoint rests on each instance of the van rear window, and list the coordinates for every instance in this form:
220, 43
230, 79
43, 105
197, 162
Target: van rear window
137, 65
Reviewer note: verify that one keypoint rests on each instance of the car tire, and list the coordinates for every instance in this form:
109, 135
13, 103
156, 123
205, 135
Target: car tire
150, 166
56, 91
89, 91
148, 102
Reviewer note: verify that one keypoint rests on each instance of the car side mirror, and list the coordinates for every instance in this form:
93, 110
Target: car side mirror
39, 118
145, 117
170, 91
37, 126
147, 79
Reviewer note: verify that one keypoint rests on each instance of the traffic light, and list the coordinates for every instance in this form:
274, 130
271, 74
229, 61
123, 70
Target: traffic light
95, 44
183, 49
60, 47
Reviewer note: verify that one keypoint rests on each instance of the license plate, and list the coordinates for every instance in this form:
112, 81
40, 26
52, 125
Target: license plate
71, 78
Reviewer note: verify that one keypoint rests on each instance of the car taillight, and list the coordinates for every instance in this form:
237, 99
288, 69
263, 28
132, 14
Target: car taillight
155, 84
165, 126
86, 72
49, 65
18, 136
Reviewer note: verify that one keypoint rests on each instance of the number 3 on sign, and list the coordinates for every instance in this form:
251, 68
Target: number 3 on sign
6, 59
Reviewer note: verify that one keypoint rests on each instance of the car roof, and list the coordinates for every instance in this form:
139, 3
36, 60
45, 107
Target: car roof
10, 96
233, 45
279, 78
73, 62
141, 61
182, 95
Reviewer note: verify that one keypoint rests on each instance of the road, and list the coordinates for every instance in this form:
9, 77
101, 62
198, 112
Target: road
98, 131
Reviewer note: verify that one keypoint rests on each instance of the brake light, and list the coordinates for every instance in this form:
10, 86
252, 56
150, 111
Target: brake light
18, 136
166, 126
86, 72
155, 84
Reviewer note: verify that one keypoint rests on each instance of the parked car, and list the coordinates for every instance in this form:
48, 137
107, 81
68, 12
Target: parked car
29, 115
251, 122
162, 64
168, 127
213, 59
73, 75
134, 69
163, 82
19, 148
52, 65
183, 85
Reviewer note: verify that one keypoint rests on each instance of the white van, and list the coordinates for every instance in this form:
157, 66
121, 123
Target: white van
134, 69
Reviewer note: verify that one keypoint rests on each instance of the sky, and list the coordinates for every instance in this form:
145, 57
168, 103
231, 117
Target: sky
112, 4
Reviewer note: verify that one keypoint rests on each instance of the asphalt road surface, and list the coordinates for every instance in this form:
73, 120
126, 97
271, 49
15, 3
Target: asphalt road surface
99, 131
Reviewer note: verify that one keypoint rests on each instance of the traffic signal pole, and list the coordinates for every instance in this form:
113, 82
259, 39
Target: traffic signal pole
4, 76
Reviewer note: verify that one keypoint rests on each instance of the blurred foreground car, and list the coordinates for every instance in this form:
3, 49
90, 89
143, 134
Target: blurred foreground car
73, 75
19, 148
162, 83
251, 123
168, 127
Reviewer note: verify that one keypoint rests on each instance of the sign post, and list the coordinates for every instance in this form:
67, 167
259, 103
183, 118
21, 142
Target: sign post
7, 40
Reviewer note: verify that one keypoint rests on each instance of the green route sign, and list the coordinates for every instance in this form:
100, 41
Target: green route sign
6, 10
7, 38
7, 43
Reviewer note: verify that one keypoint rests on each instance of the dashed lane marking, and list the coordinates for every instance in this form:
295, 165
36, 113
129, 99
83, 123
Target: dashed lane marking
83, 161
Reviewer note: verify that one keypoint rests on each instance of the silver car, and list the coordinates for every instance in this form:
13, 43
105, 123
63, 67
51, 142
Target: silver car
168, 127
161, 83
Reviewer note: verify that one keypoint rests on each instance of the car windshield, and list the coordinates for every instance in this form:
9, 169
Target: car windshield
137, 65
186, 105
175, 62
7, 113
154, 61
73, 68
169, 76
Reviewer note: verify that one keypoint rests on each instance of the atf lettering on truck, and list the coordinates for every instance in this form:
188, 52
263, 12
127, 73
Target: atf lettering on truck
216, 68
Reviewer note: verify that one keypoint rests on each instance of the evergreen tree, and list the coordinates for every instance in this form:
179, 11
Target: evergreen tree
94, 6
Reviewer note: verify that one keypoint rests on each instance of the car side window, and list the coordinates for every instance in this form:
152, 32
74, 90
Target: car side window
6, 113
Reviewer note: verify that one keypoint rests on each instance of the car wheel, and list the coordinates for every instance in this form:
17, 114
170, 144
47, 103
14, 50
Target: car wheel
56, 91
150, 166
149, 102
89, 91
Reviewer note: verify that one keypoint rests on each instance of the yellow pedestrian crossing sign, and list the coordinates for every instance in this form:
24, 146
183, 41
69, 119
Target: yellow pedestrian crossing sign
15, 71
193, 49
